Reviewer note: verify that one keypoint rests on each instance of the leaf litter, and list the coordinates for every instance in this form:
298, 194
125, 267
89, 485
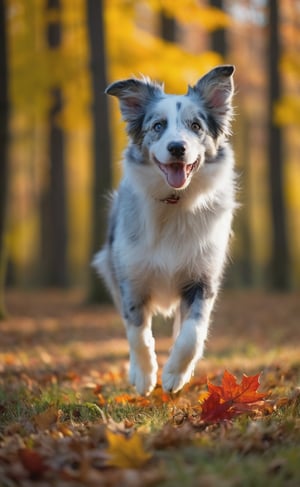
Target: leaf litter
69, 416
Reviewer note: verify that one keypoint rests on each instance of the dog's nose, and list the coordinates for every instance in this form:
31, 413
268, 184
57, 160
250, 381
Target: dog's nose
176, 149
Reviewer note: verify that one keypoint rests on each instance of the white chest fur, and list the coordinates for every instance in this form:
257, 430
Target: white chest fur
175, 240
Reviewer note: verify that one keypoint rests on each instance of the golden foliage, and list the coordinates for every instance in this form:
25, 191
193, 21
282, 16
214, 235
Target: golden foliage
287, 110
134, 46
36, 68
132, 50
126, 452
290, 63
190, 12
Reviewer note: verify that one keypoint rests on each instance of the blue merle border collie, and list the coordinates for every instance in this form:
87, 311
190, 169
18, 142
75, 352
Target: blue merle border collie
170, 219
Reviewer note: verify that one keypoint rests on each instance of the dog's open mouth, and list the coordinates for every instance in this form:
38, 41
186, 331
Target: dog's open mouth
177, 173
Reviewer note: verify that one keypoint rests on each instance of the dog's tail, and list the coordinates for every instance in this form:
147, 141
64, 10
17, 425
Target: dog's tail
98, 262
101, 262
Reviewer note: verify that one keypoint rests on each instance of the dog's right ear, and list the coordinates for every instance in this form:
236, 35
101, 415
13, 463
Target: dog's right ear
216, 89
134, 95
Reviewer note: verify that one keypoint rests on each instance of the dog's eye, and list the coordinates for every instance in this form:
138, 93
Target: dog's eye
157, 127
195, 126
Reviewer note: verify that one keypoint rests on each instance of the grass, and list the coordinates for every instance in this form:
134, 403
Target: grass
63, 384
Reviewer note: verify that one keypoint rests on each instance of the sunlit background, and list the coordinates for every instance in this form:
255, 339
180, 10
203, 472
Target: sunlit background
63, 141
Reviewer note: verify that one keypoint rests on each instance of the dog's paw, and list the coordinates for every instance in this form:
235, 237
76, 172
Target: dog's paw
174, 380
143, 380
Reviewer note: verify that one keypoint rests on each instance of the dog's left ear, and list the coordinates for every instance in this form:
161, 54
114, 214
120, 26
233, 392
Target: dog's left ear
216, 90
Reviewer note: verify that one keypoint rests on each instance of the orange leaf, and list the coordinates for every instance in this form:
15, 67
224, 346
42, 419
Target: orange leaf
10, 359
245, 392
130, 399
231, 398
160, 396
122, 399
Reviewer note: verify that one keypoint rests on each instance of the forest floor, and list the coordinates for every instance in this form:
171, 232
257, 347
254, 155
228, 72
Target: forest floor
68, 417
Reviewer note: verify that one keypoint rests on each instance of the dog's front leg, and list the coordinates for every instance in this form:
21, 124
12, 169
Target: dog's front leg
143, 363
196, 306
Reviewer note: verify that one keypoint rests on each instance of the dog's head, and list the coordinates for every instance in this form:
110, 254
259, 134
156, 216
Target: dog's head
176, 133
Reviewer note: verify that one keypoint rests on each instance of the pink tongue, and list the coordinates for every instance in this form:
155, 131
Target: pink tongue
176, 174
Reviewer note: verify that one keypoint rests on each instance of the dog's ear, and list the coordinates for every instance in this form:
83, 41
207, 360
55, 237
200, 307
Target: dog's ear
216, 90
134, 95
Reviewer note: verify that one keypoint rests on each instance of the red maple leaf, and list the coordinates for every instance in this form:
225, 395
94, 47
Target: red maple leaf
231, 398
213, 410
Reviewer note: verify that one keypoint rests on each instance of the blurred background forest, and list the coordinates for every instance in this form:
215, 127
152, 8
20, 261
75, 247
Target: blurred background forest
61, 139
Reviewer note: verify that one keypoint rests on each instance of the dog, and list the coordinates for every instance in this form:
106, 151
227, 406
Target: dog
170, 220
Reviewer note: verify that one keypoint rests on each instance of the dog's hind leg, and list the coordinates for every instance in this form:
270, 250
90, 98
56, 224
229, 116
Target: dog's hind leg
196, 306
143, 363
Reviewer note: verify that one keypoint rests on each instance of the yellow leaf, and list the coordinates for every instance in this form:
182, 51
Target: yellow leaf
126, 452
65, 430
47, 418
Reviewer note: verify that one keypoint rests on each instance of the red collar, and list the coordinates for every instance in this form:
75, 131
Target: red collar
172, 200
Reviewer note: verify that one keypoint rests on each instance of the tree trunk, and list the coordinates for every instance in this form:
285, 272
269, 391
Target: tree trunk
3, 152
280, 260
218, 36
54, 206
167, 27
102, 164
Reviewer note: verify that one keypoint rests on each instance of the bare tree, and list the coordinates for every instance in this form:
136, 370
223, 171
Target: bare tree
242, 271
280, 260
102, 165
54, 206
218, 36
168, 27
4, 108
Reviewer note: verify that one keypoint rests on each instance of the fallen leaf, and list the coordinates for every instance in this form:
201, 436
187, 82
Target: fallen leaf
64, 429
9, 359
33, 462
131, 399
214, 410
245, 392
126, 452
123, 399
159, 396
231, 398
172, 437
47, 418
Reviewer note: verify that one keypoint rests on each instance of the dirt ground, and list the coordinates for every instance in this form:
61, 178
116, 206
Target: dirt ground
249, 330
